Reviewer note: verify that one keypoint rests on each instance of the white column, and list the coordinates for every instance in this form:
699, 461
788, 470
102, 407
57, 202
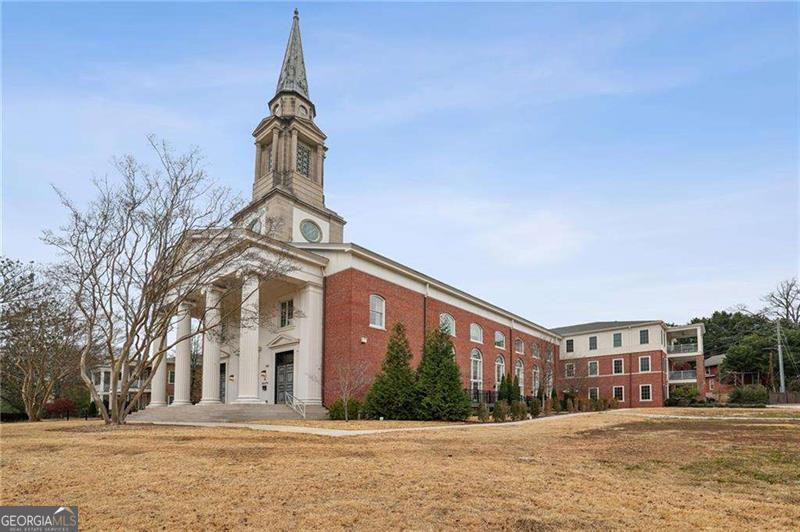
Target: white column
183, 358
158, 384
248, 341
211, 347
308, 357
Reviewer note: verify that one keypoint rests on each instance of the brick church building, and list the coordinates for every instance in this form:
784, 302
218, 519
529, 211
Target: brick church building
335, 309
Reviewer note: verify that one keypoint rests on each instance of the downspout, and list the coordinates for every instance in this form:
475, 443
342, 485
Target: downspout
324, 334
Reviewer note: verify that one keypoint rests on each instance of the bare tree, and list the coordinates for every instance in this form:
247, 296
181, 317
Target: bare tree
153, 240
350, 378
783, 303
39, 341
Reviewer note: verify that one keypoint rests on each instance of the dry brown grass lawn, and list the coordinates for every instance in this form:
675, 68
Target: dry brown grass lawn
367, 424
589, 472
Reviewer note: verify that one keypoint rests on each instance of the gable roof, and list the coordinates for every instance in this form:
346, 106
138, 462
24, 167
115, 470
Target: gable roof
582, 328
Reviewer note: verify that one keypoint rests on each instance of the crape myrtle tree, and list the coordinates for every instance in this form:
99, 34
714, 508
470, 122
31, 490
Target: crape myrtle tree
151, 239
348, 380
392, 394
440, 394
39, 338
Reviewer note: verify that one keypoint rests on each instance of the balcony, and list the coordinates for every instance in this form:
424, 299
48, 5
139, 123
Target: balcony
685, 375
682, 348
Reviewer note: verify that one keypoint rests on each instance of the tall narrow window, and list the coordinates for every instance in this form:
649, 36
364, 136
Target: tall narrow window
618, 366
645, 392
520, 373
619, 393
594, 368
519, 346
550, 353
377, 312
475, 333
303, 159
644, 336
592, 343
476, 370
447, 323
499, 370
535, 381
617, 339
536, 350
644, 364
287, 313
569, 370
594, 394
570, 346
499, 340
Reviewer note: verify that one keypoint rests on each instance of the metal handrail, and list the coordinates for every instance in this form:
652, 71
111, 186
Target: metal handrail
295, 404
683, 375
682, 348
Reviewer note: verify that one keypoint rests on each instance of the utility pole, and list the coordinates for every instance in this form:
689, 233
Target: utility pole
780, 360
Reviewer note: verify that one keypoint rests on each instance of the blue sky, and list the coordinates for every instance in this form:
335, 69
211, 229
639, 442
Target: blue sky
567, 162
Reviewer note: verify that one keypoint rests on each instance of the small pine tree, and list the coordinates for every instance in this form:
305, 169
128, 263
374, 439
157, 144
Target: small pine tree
535, 407
392, 395
514, 394
440, 394
483, 413
502, 389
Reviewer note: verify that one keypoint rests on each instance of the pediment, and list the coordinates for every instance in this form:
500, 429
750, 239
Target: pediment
283, 340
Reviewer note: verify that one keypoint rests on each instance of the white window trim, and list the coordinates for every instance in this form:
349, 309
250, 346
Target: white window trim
614, 395
648, 337
589, 392
502, 345
499, 362
641, 386
649, 364
280, 313
471, 339
381, 327
520, 351
535, 351
613, 366
597, 365
621, 344
519, 373
567, 367
472, 378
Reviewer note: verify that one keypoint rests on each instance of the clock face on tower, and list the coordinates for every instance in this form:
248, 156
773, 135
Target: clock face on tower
310, 231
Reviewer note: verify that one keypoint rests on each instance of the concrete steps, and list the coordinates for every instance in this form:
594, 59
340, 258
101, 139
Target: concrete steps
224, 413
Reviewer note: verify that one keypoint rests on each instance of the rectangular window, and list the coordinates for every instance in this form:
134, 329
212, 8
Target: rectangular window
617, 339
377, 312
644, 364
303, 159
171, 378
645, 392
569, 370
644, 336
592, 343
594, 368
619, 393
619, 366
594, 394
287, 313
570, 346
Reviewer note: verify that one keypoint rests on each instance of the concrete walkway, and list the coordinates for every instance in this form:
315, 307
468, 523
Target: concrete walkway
704, 418
339, 433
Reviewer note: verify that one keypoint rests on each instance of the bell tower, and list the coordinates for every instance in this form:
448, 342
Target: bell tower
290, 158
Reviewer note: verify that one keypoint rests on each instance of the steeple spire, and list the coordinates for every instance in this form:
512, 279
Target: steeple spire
293, 71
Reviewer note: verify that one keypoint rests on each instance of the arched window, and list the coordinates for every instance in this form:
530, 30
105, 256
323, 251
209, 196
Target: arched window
448, 323
550, 353
499, 340
519, 346
535, 383
476, 370
499, 370
475, 333
520, 372
537, 352
377, 311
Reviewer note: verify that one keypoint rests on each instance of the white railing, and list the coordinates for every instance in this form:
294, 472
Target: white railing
685, 375
682, 348
295, 404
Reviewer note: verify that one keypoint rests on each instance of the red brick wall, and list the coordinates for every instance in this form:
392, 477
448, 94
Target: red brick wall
347, 321
630, 379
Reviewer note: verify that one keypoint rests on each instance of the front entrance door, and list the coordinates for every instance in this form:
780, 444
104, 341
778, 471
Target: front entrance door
223, 380
284, 375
